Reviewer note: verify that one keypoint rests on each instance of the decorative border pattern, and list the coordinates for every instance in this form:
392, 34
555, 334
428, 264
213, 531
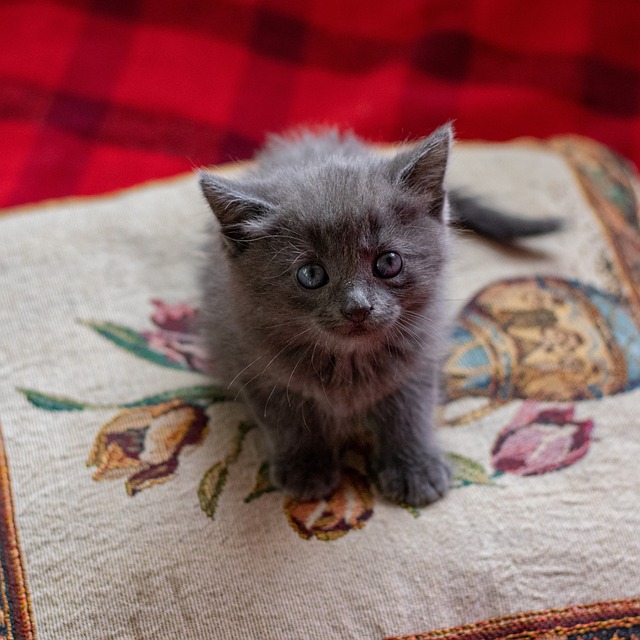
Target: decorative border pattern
16, 621
601, 621
607, 183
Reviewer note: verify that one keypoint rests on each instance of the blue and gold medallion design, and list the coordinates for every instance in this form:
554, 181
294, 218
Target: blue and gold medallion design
544, 339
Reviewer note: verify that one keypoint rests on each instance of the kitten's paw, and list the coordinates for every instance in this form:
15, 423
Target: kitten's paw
305, 479
416, 483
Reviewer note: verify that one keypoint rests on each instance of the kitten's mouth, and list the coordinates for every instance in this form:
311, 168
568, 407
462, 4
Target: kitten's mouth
357, 331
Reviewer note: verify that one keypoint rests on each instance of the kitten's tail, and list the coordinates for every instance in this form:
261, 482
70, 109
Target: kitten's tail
469, 213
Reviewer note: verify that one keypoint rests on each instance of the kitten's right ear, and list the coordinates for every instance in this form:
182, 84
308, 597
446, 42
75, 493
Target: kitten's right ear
421, 168
237, 211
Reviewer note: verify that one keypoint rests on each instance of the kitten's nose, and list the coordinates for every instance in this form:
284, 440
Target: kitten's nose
356, 314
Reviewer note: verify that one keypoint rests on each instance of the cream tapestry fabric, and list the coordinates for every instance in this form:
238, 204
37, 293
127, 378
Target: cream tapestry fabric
136, 501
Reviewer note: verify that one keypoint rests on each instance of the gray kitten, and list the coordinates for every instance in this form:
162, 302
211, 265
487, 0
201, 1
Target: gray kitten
323, 304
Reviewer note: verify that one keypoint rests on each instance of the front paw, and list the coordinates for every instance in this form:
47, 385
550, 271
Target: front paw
416, 482
306, 478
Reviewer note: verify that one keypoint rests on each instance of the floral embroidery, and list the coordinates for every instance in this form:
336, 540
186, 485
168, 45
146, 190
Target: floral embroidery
143, 443
173, 343
144, 440
214, 480
347, 508
540, 441
467, 471
176, 337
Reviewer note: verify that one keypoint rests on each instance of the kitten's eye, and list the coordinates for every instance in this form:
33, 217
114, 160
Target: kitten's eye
312, 276
388, 265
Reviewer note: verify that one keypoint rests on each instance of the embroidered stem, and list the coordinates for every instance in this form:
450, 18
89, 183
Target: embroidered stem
208, 393
214, 480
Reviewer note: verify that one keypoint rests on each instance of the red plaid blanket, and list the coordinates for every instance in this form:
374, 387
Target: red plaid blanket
101, 94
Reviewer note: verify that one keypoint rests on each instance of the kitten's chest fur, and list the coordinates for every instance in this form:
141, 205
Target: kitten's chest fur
344, 384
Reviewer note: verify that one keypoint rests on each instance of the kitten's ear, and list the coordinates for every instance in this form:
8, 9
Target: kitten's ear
422, 168
238, 212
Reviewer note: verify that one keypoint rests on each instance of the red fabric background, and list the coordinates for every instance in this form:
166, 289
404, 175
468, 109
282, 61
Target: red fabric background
102, 94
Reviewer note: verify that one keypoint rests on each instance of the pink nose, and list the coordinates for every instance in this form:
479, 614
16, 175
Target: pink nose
357, 314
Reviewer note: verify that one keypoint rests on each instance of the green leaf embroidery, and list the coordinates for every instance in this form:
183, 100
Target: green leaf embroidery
412, 510
238, 441
211, 487
467, 471
210, 394
262, 484
51, 402
133, 342
214, 479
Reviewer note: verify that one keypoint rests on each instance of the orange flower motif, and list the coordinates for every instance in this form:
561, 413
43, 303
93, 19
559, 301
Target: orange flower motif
143, 443
347, 508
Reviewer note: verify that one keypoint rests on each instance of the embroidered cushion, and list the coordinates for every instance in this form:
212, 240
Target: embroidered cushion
135, 495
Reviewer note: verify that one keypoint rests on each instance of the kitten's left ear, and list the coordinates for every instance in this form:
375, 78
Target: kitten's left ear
422, 168
239, 212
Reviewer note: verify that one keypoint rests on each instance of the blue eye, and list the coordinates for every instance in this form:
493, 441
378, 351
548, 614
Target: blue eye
388, 265
312, 276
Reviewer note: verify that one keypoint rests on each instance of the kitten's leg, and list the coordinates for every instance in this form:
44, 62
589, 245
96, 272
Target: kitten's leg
303, 462
409, 464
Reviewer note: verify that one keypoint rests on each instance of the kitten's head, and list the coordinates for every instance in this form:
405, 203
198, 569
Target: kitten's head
342, 251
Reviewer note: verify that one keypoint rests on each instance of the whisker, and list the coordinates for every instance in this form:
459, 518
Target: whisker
304, 420
282, 324
287, 344
243, 370
311, 363
304, 352
284, 348
266, 404
435, 337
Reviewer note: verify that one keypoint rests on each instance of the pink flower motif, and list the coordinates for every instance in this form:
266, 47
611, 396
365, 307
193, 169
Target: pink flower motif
178, 318
176, 336
540, 441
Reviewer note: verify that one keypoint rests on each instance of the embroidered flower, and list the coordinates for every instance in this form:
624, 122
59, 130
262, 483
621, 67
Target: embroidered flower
347, 508
143, 443
537, 442
176, 336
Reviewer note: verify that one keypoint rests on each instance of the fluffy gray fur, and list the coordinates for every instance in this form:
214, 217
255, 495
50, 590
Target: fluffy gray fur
361, 352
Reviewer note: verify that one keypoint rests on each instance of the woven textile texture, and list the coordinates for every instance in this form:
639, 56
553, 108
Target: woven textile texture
101, 94
139, 504
602, 621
